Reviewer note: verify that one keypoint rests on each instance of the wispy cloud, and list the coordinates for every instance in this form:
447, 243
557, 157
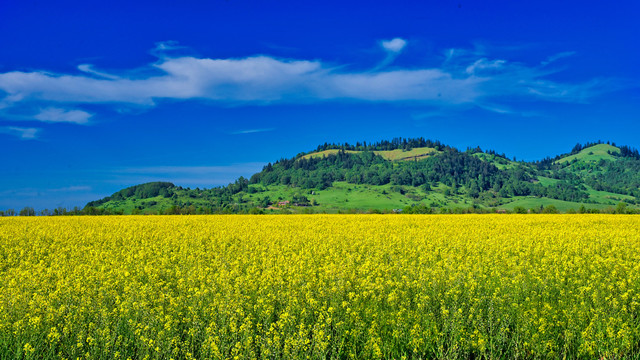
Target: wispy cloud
557, 57
505, 110
53, 114
251, 131
36, 191
20, 132
395, 45
484, 65
187, 175
393, 48
200, 170
465, 77
72, 188
164, 47
451, 112
430, 115
33, 192
88, 68
496, 109
41, 198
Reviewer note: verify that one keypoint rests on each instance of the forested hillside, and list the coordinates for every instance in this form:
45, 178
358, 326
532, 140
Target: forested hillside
376, 177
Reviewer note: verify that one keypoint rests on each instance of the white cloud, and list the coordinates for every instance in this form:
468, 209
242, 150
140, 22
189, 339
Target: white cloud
33, 192
557, 57
464, 78
61, 115
395, 45
72, 188
508, 110
393, 48
41, 198
20, 132
430, 115
251, 131
163, 47
188, 175
88, 68
484, 65
496, 109
198, 170
254, 79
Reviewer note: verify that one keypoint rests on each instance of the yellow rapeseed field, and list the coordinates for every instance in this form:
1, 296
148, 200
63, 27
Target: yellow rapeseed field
320, 287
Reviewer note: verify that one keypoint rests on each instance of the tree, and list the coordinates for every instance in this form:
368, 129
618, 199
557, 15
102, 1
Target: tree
621, 208
265, 202
299, 199
46, 212
474, 189
27, 211
519, 210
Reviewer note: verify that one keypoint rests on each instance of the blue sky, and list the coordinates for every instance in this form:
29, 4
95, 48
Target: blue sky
97, 97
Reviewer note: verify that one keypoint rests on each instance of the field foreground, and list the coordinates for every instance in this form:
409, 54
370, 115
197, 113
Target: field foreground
320, 286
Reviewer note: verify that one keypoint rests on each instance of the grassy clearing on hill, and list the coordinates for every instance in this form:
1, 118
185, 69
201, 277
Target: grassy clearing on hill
500, 162
592, 154
393, 155
545, 181
605, 197
413, 154
326, 153
343, 196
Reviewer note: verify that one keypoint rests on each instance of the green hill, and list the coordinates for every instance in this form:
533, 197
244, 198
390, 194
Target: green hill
409, 175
